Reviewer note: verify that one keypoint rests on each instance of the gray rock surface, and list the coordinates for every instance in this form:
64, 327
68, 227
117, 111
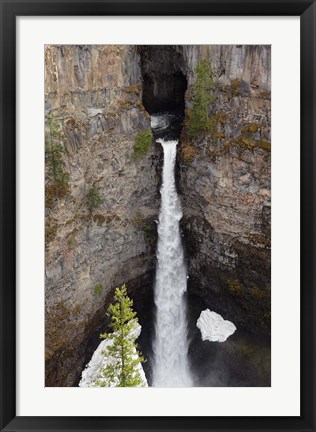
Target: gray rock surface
226, 186
96, 94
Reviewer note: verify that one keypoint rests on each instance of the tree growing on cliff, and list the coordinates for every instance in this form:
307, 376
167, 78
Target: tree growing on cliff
58, 178
94, 198
122, 369
198, 116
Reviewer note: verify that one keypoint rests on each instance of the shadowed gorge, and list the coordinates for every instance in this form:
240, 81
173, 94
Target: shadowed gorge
164, 81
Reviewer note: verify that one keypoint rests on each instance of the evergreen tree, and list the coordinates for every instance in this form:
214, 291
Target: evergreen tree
199, 120
94, 199
123, 356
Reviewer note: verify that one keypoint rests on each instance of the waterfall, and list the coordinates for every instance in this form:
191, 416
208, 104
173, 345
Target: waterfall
170, 347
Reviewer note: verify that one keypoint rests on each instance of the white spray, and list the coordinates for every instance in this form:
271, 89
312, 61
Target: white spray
170, 347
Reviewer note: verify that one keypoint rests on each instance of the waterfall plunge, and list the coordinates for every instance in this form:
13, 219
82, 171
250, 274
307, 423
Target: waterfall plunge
170, 368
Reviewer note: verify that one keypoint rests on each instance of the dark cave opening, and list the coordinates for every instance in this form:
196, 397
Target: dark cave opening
164, 80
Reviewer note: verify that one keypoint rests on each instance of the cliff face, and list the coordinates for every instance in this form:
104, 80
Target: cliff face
226, 185
97, 94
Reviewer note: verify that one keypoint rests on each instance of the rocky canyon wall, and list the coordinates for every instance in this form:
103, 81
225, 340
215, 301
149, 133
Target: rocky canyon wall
97, 94
226, 185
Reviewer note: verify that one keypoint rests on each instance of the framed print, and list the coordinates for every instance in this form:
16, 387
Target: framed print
157, 223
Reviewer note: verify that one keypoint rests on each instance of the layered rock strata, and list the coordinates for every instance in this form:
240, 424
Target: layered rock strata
226, 185
97, 94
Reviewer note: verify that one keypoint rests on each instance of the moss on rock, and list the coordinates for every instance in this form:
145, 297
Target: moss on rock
143, 141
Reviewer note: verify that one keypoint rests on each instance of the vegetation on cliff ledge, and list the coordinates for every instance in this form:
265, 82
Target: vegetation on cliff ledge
58, 179
143, 141
94, 198
198, 116
123, 369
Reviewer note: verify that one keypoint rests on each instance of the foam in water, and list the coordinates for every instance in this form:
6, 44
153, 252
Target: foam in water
170, 347
160, 121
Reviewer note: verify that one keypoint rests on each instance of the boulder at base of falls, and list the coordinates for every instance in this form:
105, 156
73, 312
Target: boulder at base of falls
91, 373
213, 327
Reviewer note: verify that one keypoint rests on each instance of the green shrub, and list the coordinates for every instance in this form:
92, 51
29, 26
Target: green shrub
267, 316
98, 289
198, 115
71, 242
94, 199
139, 219
99, 219
219, 134
77, 309
259, 294
235, 287
265, 145
134, 89
221, 117
143, 141
235, 87
250, 127
265, 94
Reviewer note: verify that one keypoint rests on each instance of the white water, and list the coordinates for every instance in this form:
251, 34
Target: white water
170, 347
160, 122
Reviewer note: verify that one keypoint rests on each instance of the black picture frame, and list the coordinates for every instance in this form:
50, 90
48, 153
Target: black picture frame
12, 9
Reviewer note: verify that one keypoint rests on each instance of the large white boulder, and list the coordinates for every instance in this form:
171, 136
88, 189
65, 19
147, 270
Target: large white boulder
213, 327
98, 360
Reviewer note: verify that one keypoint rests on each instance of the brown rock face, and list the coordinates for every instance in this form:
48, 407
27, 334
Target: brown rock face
96, 93
226, 186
